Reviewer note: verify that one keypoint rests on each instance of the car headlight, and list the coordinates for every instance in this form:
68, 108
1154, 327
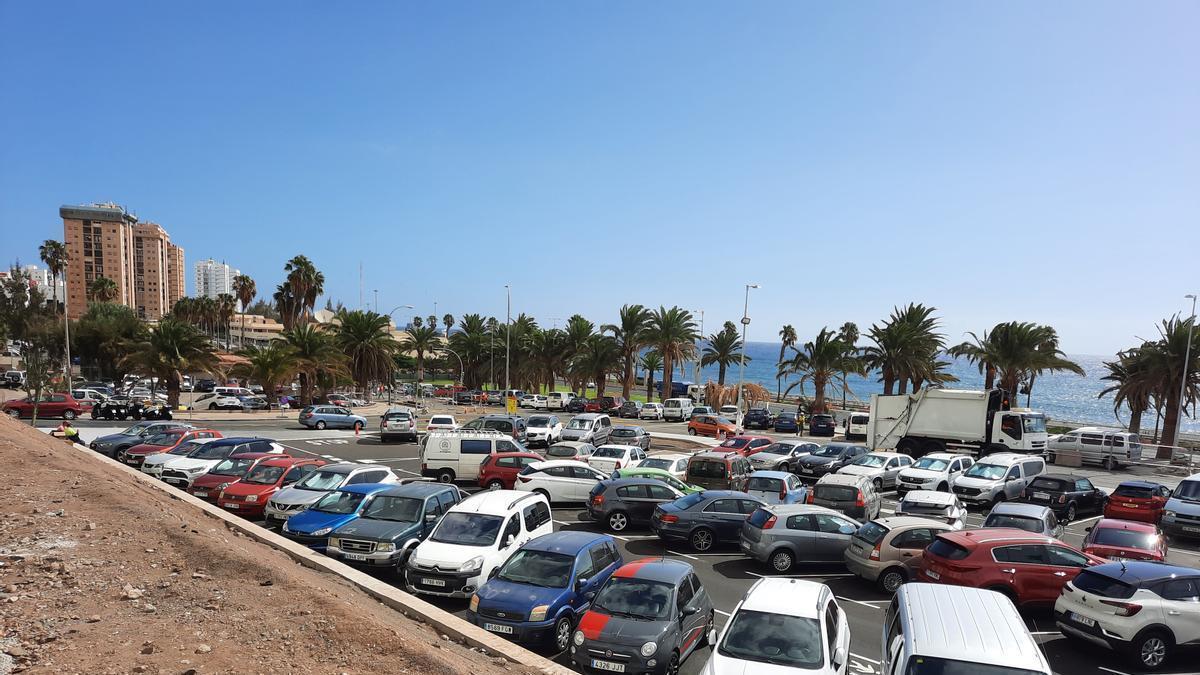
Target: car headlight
322, 531
222, 486
577, 638
649, 648
196, 469
1169, 515
539, 613
385, 548
252, 498
474, 602
334, 543
473, 565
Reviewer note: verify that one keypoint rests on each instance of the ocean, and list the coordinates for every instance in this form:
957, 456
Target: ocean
1062, 396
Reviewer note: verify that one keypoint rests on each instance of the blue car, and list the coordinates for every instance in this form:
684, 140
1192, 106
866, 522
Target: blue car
539, 594
312, 527
777, 487
786, 423
331, 417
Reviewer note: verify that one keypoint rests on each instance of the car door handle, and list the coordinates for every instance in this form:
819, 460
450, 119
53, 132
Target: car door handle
1172, 612
1010, 571
1060, 574
906, 555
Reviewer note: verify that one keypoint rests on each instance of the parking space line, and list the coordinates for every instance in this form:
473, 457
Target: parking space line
721, 612
864, 603
684, 555
1118, 672
799, 576
864, 658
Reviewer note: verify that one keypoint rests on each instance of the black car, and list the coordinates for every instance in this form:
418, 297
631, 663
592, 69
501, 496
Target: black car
467, 397
622, 502
511, 425
112, 444
828, 460
576, 405
630, 409
758, 418
1068, 495
705, 518
205, 386
393, 524
821, 425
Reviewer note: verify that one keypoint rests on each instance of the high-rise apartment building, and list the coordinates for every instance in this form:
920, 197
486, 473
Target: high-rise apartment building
103, 240
214, 278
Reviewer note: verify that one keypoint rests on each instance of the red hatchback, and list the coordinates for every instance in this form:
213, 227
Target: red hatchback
164, 442
207, 486
58, 404
746, 444
1125, 540
499, 471
248, 497
1140, 500
1030, 569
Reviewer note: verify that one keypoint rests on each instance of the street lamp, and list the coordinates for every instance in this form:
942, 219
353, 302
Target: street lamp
1187, 357
416, 390
461, 370
745, 322
697, 378
507, 335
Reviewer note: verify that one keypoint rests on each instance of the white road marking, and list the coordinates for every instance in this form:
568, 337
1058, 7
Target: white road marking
798, 576
721, 612
864, 603
389, 459
684, 555
1118, 672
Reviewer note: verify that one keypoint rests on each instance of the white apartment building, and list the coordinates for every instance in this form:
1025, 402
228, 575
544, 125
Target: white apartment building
214, 278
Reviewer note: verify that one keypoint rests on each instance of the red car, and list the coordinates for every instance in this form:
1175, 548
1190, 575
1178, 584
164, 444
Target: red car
745, 444
58, 404
1030, 569
499, 471
207, 486
593, 405
248, 496
1125, 540
1140, 500
164, 442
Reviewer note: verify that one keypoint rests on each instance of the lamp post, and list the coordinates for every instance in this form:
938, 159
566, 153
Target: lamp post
745, 322
697, 371
416, 390
461, 370
507, 334
1187, 358
66, 332
376, 292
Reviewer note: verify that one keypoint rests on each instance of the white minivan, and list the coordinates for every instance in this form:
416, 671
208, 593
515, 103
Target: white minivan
856, 426
677, 409
456, 455
1096, 445
558, 400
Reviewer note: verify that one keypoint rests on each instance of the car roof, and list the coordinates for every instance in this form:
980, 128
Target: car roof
551, 463
951, 621
1019, 509
1140, 483
619, 445
630, 427
945, 455
1118, 524
895, 522
416, 489
792, 597
1062, 476
845, 445
842, 479
722, 494
671, 455
1005, 458
781, 475
713, 454
1142, 572
237, 440
572, 444
650, 470
367, 488
795, 509
929, 497
654, 569
888, 454
277, 459
497, 502
1098, 430
343, 467
999, 535
588, 416
569, 542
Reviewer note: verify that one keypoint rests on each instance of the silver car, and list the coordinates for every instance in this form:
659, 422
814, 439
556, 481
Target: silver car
1028, 517
880, 467
299, 496
782, 535
943, 507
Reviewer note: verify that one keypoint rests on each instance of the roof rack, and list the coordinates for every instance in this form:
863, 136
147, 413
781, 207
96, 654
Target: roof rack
522, 498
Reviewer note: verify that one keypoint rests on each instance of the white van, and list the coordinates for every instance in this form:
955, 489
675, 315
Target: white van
1097, 445
856, 426
232, 391
456, 455
558, 400
677, 409
931, 628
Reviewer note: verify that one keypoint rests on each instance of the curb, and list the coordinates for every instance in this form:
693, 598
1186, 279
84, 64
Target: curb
408, 605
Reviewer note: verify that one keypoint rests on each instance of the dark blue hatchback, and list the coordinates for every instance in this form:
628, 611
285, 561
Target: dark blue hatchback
547, 584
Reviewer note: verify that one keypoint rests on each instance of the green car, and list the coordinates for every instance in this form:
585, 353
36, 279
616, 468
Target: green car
659, 475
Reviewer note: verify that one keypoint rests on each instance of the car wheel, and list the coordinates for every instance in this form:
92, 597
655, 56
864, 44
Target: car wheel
562, 634
1071, 512
891, 580
320, 424
544, 494
495, 484
997, 499
709, 630
673, 664
68, 414
95, 415
358, 427
878, 484
691, 431
782, 560
13, 413
702, 539
618, 521
1151, 649
212, 406
445, 476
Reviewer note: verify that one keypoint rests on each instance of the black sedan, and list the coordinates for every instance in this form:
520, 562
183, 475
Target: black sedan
577, 404
630, 409
1068, 495
704, 519
758, 418
622, 502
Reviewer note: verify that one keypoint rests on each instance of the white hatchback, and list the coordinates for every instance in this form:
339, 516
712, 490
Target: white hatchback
651, 411
609, 458
442, 423
560, 480
543, 430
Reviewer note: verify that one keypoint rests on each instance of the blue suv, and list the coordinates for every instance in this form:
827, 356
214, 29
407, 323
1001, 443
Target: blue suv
312, 527
547, 584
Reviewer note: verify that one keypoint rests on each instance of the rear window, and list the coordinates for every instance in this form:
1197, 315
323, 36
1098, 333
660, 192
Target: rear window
707, 469
1134, 491
871, 533
1092, 581
759, 517
1016, 522
943, 548
1051, 484
763, 484
836, 493
1113, 536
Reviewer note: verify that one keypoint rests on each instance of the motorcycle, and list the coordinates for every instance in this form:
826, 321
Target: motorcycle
111, 409
151, 411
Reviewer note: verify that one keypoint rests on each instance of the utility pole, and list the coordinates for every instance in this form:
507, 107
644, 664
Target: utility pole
1187, 358
360, 285
376, 291
66, 330
745, 322
507, 333
697, 379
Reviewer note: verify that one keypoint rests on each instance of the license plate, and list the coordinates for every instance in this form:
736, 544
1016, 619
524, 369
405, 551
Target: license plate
130, 460
608, 666
200, 494
933, 575
1131, 506
498, 628
229, 505
1041, 495
1083, 620
1191, 529
355, 556
433, 582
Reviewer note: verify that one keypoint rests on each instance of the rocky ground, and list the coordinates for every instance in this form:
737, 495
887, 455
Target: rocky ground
99, 574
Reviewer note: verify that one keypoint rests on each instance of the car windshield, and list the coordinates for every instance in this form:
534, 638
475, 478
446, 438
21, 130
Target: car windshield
538, 568
608, 452
1188, 490
656, 463
397, 509
264, 475
778, 449
987, 471
231, 467
929, 665
211, 451
322, 481
635, 598
1033, 424
1113, 536
787, 415
467, 529
162, 440
778, 639
924, 508
874, 461
560, 451
185, 448
735, 443
578, 423
1019, 522
539, 421
441, 420
339, 502
1134, 491
136, 430
931, 463
828, 451
871, 533
397, 417
1050, 484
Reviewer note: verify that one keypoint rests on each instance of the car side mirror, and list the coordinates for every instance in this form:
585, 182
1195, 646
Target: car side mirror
689, 610
493, 573
839, 657
579, 584
430, 517
508, 541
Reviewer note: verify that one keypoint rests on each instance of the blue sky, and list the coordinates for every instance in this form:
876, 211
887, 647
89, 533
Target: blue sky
1000, 161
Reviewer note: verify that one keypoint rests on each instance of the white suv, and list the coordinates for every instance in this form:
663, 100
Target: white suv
1141, 609
560, 480
791, 624
475, 537
935, 471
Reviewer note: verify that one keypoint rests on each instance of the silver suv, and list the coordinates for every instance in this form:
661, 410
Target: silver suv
594, 428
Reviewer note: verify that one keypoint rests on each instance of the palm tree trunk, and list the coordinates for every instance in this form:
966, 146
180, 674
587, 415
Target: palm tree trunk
1029, 391
627, 380
989, 377
1170, 424
668, 372
889, 382
1135, 421
173, 390
650, 386
243, 338
903, 387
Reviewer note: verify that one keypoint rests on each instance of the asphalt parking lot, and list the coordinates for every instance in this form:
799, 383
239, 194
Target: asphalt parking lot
726, 574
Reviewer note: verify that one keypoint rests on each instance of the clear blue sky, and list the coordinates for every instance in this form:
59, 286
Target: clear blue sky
1017, 160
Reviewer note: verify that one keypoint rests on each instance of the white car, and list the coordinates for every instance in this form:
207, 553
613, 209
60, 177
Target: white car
673, 463
474, 537
935, 471
442, 423
651, 411
543, 430
609, 458
181, 471
783, 626
223, 403
560, 480
526, 401
731, 413
940, 506
153, 464
881, 467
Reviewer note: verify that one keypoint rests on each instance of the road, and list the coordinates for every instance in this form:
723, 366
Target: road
726, 574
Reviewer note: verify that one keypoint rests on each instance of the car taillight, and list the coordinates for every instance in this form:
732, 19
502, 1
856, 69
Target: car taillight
875, 551
523, 479
307, 415
669, 519
1123, 608
860, 502
598, 501
770, 523
783, 491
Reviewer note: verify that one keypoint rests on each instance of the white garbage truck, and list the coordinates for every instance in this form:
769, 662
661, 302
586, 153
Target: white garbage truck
934, 420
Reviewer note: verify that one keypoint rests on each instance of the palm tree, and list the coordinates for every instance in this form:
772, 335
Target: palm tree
1172, 368
472, 343
171, 349
316, 356
787, 337
298, 293
225, 306
600, 356
422, 340
652, 362
417, 322
673, 335
54, 254
848, 335
630, 333
724, 349
103, 289
366, 339
904, 346
244, 290
819, 361
1014, 353
271, 366
448, 321
576, 334
1133, 384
